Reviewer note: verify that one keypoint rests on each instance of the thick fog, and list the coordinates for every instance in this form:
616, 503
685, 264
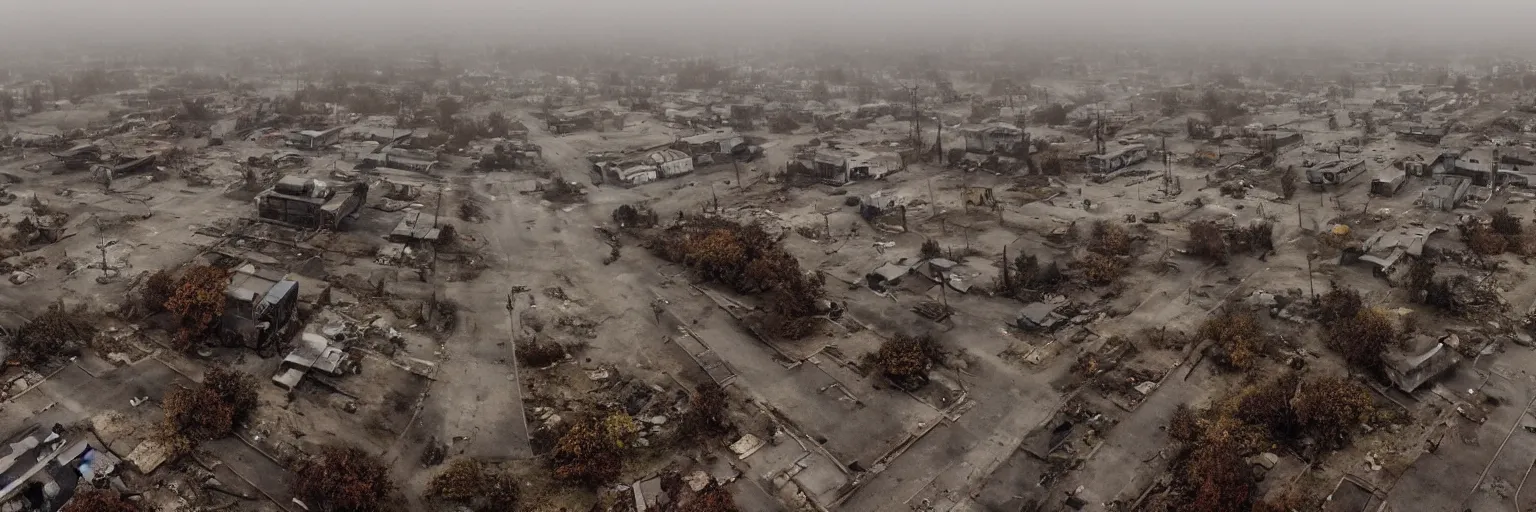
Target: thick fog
550, 21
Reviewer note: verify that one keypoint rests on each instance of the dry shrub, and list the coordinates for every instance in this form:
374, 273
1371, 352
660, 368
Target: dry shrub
1257, 237
100, 500
1485, 242
707, 415
1421, 274
1288, 183
1101, 270
1213, 475
157, 290
1340, 303
630, 216
55, 333
929, 250
1363, 339
476, 484
1027, 278
1183, 425
1207, 241
1238, 338
711, 498
750, 261
343, 479
905, 360
212, 410
592, 451
1505, 223
1109, 239
536, 354
198, 303
562, 191
1329, 409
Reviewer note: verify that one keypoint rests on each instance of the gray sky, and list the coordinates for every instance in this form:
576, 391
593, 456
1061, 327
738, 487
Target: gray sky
550, 19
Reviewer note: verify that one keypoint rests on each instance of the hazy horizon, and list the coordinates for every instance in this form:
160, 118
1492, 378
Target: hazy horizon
679, 21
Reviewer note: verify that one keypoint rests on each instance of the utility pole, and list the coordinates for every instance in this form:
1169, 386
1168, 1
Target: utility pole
938, 141
714, 197
917, 126
737, 165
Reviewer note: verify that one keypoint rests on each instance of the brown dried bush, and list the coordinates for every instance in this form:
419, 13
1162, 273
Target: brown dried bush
1207, 241
536, 354
707, 415
592, 451
343, 479
1288, 183
1238, 338
712, 498
1329, 409
1363, 339
929, 250
1340, 303
1505, 224
55, 333
750, 261
1100, 270
198, 303
906, 360
157, 290
212, 410
100, 500
477, 485
1109, 239
1183, 425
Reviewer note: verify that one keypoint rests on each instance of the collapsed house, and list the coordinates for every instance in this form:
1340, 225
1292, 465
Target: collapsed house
314, 353
1277, 141
310, 203
315, 139
122, 166
646, 167
1447, 192
260, 307
713, 146
79, 157
1425, 358
571, 120
995, 137
1040, 316
1335, 172
1385, 249
43, 469
1110, 162
840, 166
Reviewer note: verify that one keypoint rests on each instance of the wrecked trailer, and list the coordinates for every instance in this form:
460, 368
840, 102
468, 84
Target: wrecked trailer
123, 167
310, 203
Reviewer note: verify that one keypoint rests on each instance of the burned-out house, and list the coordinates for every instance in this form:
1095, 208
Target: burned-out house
581, 119
315, 139
710, 146
311, 203
79, 157
995, 137
838, 166
1335, 172
646, 167
260, 307
1410, 367
1117, 159
1276, 141
1446, 192
1422, 133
